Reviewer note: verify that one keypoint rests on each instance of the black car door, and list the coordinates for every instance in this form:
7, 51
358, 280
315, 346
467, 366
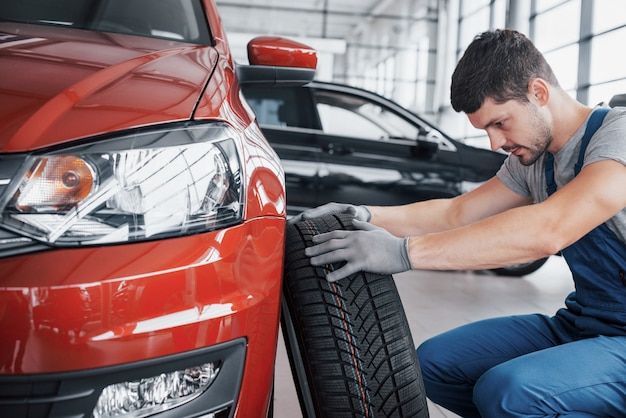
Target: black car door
287, 118
372, 155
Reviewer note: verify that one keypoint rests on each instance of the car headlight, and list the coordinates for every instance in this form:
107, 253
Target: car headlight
145, 397
170, 181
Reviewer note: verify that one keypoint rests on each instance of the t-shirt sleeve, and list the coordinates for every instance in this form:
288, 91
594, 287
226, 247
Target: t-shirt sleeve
512, 175
609, 143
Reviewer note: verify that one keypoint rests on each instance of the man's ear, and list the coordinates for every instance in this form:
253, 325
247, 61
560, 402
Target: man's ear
539, 91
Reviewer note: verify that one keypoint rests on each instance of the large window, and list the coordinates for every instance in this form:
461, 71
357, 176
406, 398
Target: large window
557, 27
559, 42
476, 17
411, 61
607, 77
581, 40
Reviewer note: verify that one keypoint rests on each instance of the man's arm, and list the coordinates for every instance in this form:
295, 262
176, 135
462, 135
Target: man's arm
381, 246
439, 215
526, 233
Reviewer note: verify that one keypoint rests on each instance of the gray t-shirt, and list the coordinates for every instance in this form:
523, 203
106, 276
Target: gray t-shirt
608, 143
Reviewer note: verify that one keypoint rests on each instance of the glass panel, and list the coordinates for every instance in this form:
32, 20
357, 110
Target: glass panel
472, 26
608, 14
347, 115
277, 106
541, 5
181, 20
380, 78
558, 27
422, 74
407, 72
604, 92
370, 79
468, 7
342, 122
605, 56
390, 67
499, 13
564, 63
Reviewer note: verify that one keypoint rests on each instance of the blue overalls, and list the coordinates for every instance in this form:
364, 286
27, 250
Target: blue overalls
572, 364
598, 264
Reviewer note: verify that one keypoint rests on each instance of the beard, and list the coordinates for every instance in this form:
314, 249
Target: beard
538, 148
542, 139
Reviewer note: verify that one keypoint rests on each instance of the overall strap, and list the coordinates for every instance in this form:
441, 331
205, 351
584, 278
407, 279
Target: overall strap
595, 121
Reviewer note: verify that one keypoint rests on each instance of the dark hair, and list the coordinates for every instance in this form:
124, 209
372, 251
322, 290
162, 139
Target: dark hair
498, 65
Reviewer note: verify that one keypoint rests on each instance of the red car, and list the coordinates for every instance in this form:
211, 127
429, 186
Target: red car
142, 211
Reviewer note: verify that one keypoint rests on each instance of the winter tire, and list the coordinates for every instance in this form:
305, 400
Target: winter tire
348, 342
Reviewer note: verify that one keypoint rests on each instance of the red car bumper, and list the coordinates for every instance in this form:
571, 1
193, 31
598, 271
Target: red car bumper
80, 313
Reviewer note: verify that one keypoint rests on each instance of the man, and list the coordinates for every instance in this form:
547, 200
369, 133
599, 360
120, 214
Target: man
553, 193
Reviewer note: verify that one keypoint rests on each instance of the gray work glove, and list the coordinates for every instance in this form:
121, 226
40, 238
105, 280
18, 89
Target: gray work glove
368, 248
360, 212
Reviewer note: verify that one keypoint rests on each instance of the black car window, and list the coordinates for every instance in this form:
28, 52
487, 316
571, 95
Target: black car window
181, 20
348, 115
281, 106
344, 122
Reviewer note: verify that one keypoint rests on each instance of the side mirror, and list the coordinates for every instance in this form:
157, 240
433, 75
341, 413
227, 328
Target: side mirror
277, 61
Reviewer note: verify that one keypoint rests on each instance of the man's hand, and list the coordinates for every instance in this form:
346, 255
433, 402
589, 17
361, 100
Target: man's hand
359, 212
368, 248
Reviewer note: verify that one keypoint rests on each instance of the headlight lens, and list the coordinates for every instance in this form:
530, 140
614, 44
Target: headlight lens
168, 182
144, 397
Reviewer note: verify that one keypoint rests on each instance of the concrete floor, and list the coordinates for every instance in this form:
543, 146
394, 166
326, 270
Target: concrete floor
437, 301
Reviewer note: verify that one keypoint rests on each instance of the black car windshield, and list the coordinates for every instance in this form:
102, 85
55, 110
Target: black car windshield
180, 20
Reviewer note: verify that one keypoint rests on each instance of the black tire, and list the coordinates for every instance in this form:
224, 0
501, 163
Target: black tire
349, 343
520, 270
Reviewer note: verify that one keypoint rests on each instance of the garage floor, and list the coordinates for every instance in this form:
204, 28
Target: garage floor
437, 301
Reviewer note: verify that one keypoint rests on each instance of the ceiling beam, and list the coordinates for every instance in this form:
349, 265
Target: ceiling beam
372, 14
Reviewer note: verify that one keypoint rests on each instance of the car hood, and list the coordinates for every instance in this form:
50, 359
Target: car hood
60, 84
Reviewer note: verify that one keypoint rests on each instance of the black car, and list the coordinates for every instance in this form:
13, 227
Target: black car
344, 144
339, 143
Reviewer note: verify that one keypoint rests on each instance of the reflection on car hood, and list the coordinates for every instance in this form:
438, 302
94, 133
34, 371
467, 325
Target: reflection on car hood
58, 84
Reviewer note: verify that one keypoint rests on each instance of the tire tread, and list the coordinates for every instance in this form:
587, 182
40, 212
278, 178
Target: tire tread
353, 335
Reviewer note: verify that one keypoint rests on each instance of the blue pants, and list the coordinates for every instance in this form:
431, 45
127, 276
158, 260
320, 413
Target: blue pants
525, 366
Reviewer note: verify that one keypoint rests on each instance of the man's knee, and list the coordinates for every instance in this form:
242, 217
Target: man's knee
502, 392
440, 384
429, 355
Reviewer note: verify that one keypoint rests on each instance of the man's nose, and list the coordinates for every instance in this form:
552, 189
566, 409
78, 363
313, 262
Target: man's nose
496, 141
